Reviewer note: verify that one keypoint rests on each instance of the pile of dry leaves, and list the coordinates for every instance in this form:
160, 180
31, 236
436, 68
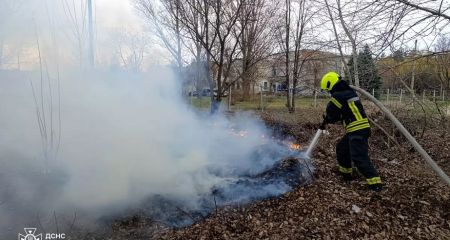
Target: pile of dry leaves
414, 205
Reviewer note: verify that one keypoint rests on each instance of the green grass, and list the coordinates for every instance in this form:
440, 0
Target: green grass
269, 102
279, 102
200, 103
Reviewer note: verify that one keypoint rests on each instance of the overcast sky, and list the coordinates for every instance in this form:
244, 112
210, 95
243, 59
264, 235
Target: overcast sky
116, 20
112, 13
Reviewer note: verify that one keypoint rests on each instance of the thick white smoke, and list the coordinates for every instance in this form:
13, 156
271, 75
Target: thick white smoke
88, 146
124, 138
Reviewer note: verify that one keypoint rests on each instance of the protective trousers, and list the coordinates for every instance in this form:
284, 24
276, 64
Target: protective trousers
354, 147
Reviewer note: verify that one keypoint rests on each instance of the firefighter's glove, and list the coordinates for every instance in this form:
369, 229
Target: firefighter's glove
323, 125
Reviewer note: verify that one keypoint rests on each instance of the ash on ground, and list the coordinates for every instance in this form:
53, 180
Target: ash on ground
273, 181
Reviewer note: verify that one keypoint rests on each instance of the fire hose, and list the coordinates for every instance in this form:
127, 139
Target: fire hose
444, 177
314, 142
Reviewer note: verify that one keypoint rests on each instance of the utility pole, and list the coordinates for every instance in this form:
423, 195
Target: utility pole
91, 54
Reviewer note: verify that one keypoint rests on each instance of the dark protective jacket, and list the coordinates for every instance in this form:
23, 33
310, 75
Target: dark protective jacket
345, 106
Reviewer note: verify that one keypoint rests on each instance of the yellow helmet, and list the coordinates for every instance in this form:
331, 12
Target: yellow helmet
329, 80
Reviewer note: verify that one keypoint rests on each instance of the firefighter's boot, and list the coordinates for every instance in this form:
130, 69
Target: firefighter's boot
347, 177
378, 187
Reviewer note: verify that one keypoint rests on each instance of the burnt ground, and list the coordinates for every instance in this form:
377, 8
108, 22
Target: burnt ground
414, 205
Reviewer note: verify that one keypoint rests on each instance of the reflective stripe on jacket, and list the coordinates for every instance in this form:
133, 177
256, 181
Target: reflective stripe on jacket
346, 106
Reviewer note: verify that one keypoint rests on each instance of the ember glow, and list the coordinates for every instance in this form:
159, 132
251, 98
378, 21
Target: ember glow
295, 146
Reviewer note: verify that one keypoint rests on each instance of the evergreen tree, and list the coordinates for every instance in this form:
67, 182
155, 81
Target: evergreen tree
367, 71
399, 55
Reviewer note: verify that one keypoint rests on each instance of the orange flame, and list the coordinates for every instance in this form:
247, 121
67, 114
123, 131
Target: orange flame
294, 146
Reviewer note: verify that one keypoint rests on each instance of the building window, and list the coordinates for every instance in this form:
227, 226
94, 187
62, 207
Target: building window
265, 85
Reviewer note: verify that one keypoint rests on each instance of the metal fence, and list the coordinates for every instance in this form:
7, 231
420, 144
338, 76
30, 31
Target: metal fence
401, 96
267, 101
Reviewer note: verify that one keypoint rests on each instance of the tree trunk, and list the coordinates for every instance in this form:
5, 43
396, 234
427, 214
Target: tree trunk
246, 79
178, 37
288, 79
245, 76
91, 36
353, 42
246, 85
294, 86
198, 68
338, 42
211, 85
414, 69
220, 72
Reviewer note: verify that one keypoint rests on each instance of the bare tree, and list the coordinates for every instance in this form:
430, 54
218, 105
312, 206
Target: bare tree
196, 39
256, 42
337, 38
164, 15
362, 22
407, 21
76, 15
131, 48
292, 33
47, 108
304, 15
440, 12
228, 38
219, 37
351, 37
443, 61
195, 16
287, 43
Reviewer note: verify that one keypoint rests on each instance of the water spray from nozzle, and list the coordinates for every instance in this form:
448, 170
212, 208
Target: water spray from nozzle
315, 141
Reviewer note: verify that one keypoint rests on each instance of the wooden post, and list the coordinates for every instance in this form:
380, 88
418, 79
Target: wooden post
261, 98
192, 94
414, 68
434, 95
387, 97
210, 101
229, 98
401, 95
315, 98
373, 91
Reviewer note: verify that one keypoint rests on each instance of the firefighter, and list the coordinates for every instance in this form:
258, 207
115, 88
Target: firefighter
346, 106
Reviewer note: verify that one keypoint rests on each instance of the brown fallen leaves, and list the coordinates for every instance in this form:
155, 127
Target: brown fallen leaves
414, 204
